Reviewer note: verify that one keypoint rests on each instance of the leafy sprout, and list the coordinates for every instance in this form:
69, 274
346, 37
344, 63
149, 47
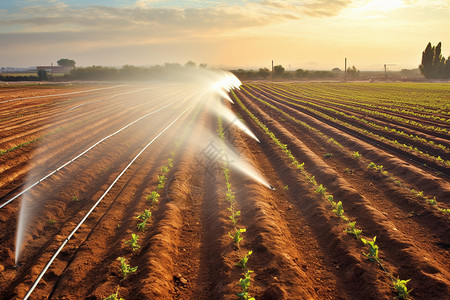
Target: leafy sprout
133, 242
125, 268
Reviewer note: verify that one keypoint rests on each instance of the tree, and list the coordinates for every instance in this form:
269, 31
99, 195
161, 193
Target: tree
263, 73
447, 68
42, 74
433, 63
190, 64
66, 63
353, 72
278, 70
300, 73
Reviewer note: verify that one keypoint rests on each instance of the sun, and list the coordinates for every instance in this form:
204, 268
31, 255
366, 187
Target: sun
384, 5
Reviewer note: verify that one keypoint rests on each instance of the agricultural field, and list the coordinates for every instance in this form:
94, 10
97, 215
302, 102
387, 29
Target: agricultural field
169, 191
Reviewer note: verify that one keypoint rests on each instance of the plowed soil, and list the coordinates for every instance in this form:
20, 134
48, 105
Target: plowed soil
300, 249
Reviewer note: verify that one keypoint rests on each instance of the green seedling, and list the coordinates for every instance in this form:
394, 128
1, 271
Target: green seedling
114, 296
373, 249
170, 162
141, 226
243, 262
327, 155
402, 290
245, 283
230, 197
330, 198
356, 154
133, 242
164, 169
431, 201
236, 237
75, 199
51, 222
338, 209
351, 229
161, 181
153, 197
234, 216
320, 189
445, 210
125, 268
286, 187
147, 214
312, 179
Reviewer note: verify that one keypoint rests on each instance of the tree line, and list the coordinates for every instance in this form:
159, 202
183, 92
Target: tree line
434, 65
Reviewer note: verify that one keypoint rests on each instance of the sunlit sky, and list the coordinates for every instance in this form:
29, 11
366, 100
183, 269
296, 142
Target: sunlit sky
303, 34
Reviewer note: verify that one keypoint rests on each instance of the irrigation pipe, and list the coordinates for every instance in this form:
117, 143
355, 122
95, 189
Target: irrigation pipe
98, 202
43, 96
82, 153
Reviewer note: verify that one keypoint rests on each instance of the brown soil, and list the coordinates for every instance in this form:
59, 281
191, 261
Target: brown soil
300, 248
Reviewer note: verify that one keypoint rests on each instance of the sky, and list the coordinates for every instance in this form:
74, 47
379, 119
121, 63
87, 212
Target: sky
306, 34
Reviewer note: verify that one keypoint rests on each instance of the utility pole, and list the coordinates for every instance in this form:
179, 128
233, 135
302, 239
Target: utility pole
385, 70
272, 70
345, 70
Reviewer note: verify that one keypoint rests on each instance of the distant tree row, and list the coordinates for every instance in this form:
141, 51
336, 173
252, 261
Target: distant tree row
129, 72
280, 72
434, 65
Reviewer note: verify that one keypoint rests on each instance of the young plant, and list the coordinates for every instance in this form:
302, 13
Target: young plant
125, 268
351, 229
356, 154
234, 215
114, 296
153, 197
75, 199
312, 179
286, 187
164, 169
147, 214
237, 235
51, 222
243, 262
431, 201
170, 162
133, 242
373, 249
161, 181
402, 290
245, 283
331, 198
338, 209
141, 226
327, 155
320, 189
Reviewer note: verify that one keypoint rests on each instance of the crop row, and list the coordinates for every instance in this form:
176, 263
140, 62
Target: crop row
236, 234
142, 219
336, 207
393, 142
429, 200
414, 122
426, 103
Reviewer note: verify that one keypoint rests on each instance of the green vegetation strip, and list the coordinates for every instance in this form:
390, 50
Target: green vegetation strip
408, 148
337, 207
237, 231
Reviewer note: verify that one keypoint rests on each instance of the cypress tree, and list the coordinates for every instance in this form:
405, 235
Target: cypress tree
426, 68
